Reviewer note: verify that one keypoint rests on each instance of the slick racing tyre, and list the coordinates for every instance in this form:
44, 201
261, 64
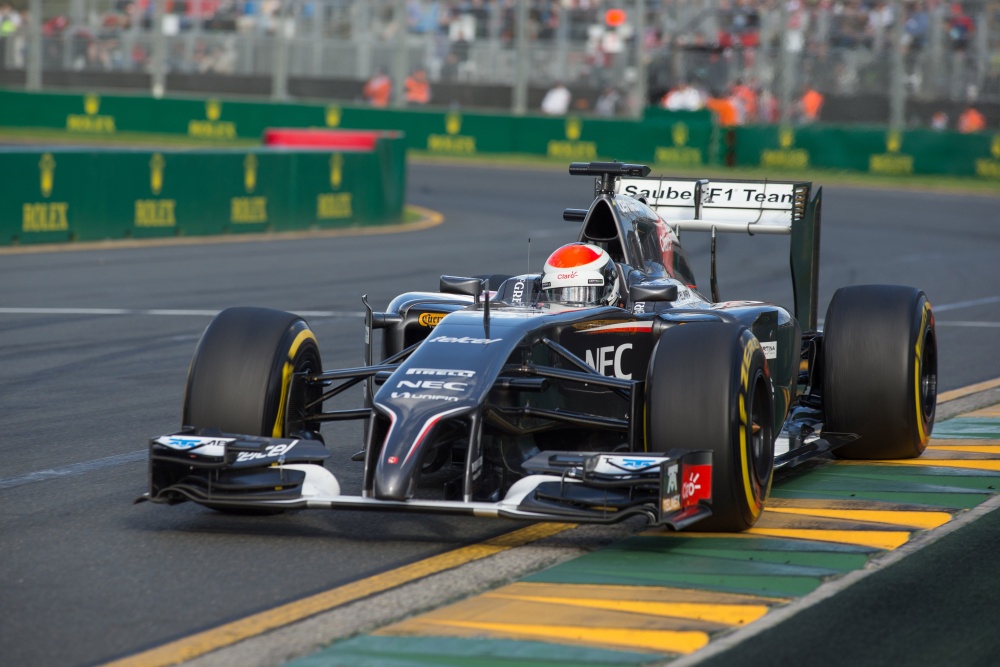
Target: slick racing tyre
707, 388
239, 378
880, 371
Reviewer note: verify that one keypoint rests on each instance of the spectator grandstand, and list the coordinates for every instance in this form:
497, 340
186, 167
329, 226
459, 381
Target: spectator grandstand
759, 56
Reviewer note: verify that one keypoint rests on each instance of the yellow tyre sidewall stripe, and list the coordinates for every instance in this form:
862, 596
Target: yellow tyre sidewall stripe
754, 503
918, 363
286, 378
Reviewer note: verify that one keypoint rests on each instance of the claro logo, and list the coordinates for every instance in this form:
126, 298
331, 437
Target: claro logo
563, 276
430, 319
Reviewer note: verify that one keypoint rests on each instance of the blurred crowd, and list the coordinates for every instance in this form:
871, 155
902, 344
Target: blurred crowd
721, 54
950, 50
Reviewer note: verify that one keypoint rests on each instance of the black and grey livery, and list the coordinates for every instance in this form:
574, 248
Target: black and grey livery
490, 400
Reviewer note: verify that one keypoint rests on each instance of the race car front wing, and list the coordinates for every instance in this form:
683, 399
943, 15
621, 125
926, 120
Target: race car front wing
228, 471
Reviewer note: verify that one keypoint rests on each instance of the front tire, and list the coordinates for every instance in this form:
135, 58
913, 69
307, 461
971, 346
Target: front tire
239, 378
880, 370
707, 388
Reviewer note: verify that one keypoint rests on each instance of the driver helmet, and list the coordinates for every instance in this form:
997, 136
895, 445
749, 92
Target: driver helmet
580, 273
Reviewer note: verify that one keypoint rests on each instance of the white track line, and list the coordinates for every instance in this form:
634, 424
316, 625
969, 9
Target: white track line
966, 323
73, 469
966, 304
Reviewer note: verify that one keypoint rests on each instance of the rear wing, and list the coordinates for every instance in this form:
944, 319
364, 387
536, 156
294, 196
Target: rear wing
745, 207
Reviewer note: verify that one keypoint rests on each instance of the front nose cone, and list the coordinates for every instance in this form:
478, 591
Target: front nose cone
395, 481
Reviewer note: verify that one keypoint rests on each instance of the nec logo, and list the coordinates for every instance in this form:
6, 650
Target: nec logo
432, 384
608, 360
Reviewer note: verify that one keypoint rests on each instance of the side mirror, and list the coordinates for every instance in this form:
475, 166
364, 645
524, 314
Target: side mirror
457, 285
652, 292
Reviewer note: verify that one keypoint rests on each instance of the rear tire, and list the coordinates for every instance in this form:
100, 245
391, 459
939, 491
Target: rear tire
707, 388
880, 370
239, 377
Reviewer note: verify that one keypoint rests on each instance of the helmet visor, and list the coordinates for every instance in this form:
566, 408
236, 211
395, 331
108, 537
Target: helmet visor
588, 295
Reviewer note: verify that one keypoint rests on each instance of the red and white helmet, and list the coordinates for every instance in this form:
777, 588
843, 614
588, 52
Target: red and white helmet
580, 273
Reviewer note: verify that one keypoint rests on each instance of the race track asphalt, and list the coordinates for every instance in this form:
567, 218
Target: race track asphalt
98, 367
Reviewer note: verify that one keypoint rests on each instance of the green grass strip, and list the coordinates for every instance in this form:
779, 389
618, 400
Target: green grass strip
388, 651
968, 427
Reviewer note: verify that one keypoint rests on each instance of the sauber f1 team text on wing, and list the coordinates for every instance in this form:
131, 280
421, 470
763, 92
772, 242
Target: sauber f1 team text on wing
603, 388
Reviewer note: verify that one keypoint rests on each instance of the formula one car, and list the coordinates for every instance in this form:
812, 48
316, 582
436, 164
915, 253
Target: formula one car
604, 388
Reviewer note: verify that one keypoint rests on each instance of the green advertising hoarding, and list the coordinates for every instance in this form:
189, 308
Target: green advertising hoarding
662, 139
86, 195
868, 149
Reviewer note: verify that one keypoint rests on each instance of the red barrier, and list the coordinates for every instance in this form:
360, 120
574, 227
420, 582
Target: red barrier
337, 139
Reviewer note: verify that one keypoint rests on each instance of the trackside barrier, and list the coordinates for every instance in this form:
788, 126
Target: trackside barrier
338, 139
661, 138
866, 149
86, 195
664, 138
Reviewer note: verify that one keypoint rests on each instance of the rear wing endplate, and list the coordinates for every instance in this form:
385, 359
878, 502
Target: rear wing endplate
745, 207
